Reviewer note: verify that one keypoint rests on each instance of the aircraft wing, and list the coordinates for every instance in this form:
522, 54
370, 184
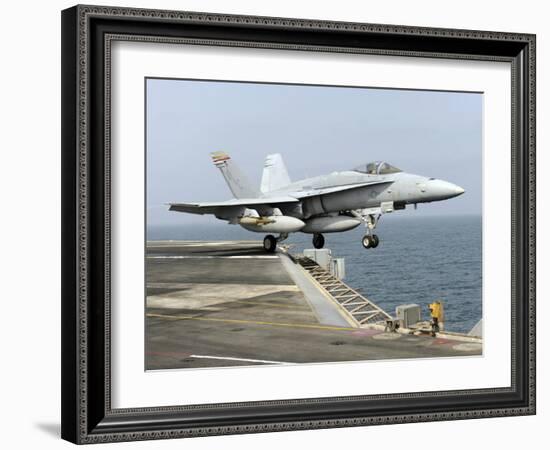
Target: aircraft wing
329, 190
264, 205
228, 207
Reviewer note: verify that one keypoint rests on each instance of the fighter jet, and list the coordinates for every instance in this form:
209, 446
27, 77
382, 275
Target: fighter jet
333, 203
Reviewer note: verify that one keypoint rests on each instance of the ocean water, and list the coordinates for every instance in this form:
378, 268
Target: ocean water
420, 259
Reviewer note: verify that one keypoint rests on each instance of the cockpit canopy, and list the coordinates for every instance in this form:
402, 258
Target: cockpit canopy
377, 168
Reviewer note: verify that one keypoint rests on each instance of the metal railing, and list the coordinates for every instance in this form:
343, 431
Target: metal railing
359, 309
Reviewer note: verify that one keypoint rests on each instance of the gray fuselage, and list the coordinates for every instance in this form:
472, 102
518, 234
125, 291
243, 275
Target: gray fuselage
401, 188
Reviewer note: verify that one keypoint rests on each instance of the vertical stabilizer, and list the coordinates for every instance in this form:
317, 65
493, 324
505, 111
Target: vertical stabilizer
275, 175
235, 179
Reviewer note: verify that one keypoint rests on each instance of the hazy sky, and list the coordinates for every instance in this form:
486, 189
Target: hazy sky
317, 130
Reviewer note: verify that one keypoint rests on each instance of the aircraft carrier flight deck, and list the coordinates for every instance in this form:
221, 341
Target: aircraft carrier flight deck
229, 303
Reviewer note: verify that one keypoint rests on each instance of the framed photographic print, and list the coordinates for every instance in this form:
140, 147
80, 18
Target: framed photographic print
278, 224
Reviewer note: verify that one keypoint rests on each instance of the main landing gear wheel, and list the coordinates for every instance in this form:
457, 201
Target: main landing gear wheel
370, 241
270, 243
318, 240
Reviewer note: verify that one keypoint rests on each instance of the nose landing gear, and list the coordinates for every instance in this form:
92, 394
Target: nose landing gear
370, 241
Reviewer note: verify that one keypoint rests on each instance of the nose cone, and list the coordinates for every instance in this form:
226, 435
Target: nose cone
442, 190
458, 190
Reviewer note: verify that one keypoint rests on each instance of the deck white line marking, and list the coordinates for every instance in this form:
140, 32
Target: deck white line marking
229, 358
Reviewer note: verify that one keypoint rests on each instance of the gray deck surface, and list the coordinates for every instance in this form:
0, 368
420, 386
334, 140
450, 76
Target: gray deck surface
229, 303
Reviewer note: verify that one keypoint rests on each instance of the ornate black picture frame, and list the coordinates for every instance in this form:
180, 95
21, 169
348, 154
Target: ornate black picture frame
87, 33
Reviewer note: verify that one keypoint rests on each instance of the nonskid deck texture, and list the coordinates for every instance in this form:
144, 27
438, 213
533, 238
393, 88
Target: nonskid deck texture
228, 303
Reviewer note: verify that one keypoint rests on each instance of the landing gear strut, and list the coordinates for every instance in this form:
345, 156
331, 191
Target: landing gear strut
369, 240
318, 240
